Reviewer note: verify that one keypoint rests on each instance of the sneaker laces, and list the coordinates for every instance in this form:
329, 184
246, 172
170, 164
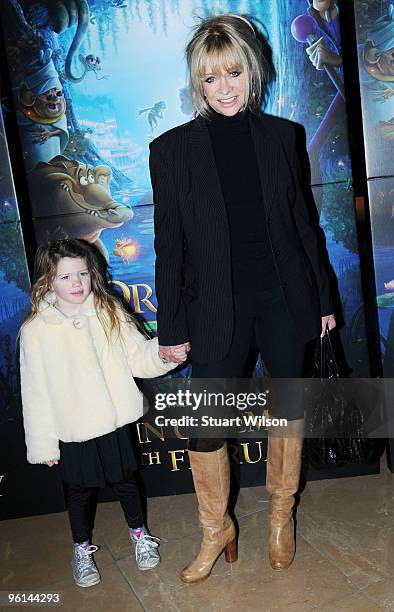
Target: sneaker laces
85, 557
145, 545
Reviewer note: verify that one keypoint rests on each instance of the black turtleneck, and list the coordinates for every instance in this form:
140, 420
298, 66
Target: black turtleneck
252, 261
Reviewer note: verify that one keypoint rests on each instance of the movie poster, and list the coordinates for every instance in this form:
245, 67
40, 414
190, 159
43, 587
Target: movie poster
95, 81
14, 302
17, 481
375, 31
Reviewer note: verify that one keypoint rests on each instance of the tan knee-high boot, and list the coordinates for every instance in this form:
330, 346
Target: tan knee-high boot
283, 476
211, 476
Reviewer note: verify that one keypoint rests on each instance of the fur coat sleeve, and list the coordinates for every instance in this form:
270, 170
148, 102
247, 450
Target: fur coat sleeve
40, 432
143, 354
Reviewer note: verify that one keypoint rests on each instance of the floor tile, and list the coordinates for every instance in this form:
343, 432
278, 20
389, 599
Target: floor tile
365, 499
246, 583
351, 524
305, 585
113, 593
344, 559
37, 551
383, 594
359, 602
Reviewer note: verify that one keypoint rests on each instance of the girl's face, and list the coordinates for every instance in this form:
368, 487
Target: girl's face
72, 283
224, 92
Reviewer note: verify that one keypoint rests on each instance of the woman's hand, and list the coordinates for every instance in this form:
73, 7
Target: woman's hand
329, 321
175, 354
51, 463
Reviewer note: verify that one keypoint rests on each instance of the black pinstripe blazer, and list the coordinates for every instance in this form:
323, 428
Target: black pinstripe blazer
192, 239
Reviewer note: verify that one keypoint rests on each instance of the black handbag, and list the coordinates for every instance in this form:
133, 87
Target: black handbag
335, 421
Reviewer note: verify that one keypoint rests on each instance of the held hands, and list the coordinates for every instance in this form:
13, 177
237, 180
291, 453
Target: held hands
329, 321
51, 463
175, 354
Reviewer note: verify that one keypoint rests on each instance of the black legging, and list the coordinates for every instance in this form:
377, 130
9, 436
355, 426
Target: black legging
262, 320
79, 504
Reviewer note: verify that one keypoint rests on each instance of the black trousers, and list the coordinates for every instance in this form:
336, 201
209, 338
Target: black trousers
261, 320
81, 505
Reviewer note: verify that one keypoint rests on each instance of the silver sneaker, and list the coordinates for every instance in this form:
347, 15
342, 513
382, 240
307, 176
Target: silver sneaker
84, 568
145, 548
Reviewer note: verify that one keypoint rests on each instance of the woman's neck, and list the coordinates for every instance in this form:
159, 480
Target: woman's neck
215, 116
227, 125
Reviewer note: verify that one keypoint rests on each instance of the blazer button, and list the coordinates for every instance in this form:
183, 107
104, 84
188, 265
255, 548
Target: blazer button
284, 285
277, 252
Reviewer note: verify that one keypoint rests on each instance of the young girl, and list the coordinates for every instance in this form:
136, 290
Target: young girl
79, 352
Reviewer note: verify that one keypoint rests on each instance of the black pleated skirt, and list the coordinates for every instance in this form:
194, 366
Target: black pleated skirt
100, 461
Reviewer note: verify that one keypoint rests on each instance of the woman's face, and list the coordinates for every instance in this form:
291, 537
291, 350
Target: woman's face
224, 92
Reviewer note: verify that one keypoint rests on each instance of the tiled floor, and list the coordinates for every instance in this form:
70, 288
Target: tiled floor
345, 557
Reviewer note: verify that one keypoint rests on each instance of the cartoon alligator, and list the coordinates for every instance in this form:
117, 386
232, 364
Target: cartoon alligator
72, 199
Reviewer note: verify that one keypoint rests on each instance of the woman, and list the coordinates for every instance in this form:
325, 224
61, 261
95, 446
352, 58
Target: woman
237, 261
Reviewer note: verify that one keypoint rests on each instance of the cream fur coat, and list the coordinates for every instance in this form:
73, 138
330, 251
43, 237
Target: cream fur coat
75, 385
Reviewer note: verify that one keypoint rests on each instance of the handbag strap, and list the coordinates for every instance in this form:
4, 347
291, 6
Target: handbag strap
322, 359
330, 355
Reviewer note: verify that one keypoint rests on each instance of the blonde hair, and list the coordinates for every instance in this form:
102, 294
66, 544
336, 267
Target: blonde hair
229, 41
106, 302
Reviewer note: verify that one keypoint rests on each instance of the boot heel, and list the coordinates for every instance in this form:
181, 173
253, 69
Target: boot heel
230, 551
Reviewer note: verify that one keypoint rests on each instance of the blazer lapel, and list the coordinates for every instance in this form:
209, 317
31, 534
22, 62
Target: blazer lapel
268, 152
206, 181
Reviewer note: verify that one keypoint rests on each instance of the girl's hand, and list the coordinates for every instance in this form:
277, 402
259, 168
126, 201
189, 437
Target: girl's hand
175, 354
329, 321
51, 463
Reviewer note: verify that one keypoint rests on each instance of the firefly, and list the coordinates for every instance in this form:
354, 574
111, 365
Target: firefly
125, 248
